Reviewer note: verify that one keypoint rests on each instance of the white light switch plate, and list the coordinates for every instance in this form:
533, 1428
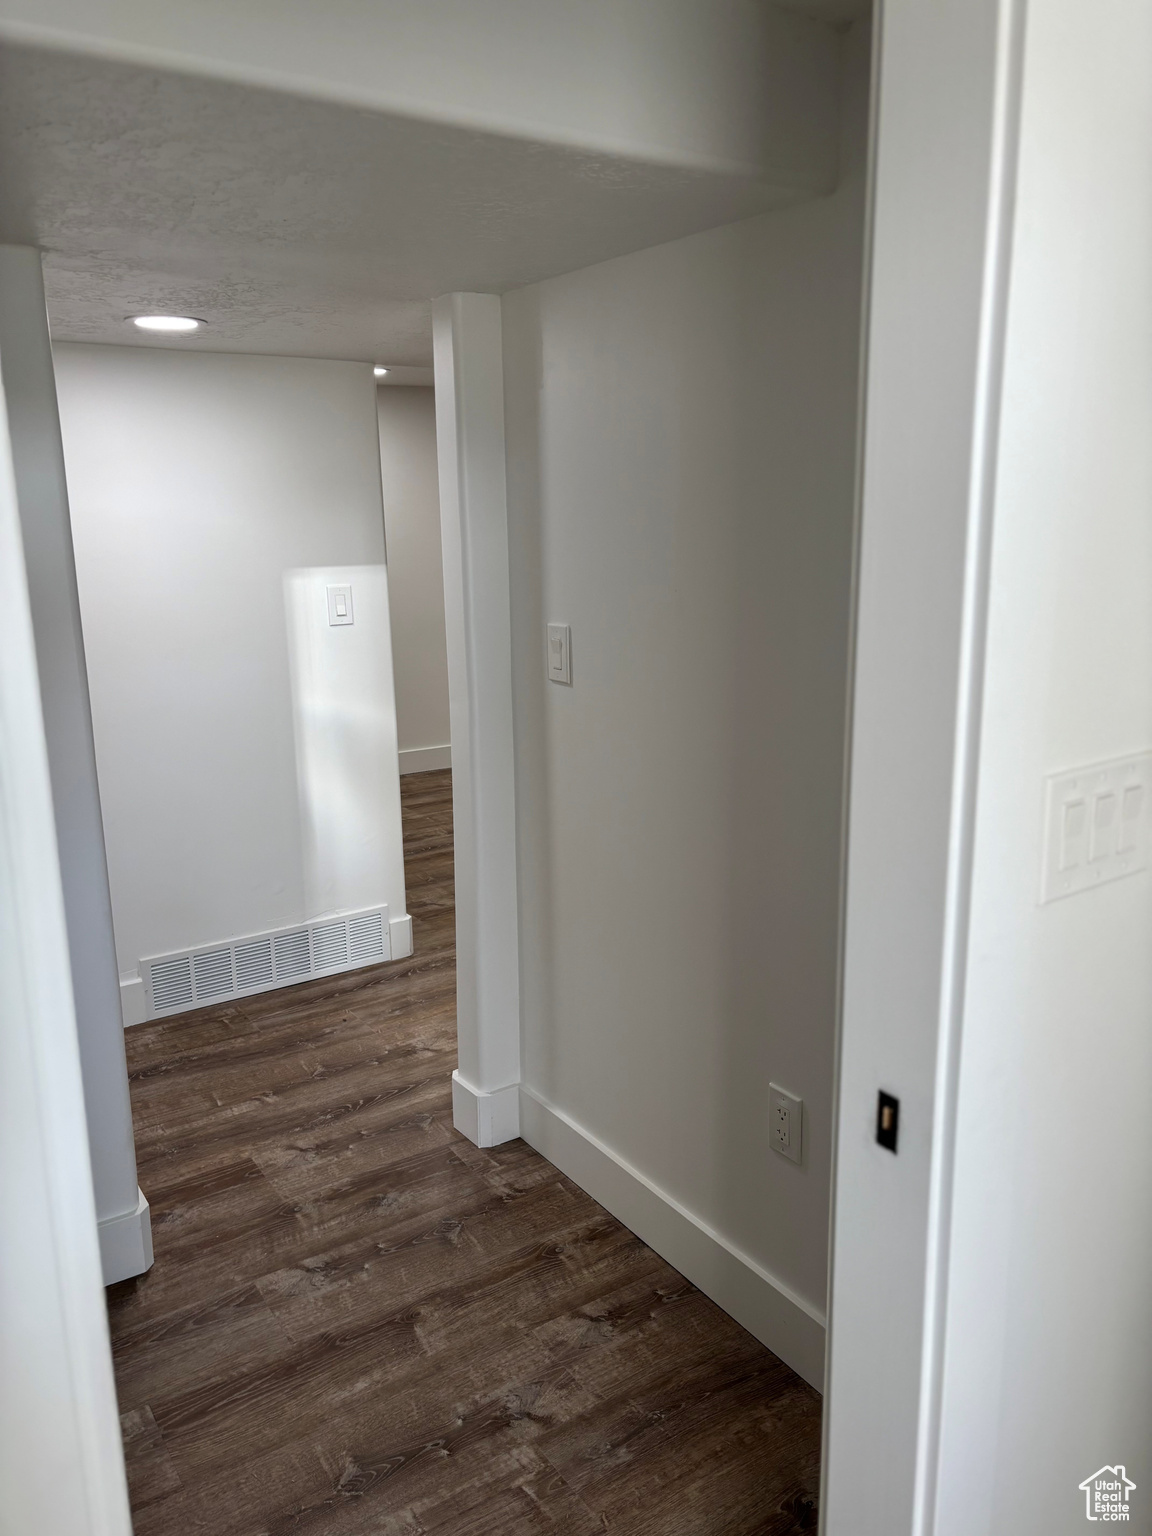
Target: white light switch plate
787, 1128
1097, 824
340, 605
559, 653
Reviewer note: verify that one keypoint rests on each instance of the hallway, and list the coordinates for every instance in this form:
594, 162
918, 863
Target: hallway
359, 1322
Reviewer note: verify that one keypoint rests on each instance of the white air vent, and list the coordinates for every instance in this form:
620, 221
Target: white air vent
171, 984
253, 961
216, 972
330, 946
366, 938
293, 955
212, 974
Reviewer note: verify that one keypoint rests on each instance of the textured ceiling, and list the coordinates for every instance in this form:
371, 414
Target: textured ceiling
302, 227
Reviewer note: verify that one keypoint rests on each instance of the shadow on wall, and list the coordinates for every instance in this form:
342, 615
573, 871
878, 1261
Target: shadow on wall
344, 723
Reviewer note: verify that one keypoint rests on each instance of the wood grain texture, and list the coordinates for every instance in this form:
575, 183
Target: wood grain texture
359, 1324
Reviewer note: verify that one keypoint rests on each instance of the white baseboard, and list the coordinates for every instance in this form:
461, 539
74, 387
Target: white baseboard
126, 1243
400, 931
485, 1118
132, 1002
425, 759
770, 1311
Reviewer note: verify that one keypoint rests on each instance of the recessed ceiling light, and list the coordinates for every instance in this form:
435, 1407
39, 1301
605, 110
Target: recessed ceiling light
174, 324
379, 372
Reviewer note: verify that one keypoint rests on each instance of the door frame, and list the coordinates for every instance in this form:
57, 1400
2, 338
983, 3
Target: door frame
946, 107
944, 149
61, 1456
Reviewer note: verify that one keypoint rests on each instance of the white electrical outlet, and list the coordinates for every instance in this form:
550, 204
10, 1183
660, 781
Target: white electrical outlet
787, 1128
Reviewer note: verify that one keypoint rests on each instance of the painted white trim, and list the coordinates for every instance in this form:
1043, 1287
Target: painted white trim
949, 88
773, 1313
126, 1243
485, 1118
400, 930
988, 391
849, 702
133, 1003
467, 342
61, 1455
425, 759
49, 559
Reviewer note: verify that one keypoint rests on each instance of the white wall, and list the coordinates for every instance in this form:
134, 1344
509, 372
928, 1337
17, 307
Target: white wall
198, 482
1049, 1362
415, 564
345, 728
680, 437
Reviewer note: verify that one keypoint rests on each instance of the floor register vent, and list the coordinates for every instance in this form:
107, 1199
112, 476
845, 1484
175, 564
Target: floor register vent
195, 977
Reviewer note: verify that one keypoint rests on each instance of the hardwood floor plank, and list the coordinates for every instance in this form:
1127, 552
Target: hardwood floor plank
368, 1393
447, 1460
542, 1503
413, 1125
446, 1485
327, 1038
240, 1504
193, 1344
359, 1324
151, 1475
353, 1103
463, 1272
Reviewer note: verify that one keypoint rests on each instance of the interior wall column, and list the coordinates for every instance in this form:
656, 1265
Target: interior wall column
42, 497
474, 521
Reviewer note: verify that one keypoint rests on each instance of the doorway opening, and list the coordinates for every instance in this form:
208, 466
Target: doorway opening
605, 1299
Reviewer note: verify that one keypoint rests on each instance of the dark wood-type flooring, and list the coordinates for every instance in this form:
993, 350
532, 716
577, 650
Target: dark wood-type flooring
358, 1322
